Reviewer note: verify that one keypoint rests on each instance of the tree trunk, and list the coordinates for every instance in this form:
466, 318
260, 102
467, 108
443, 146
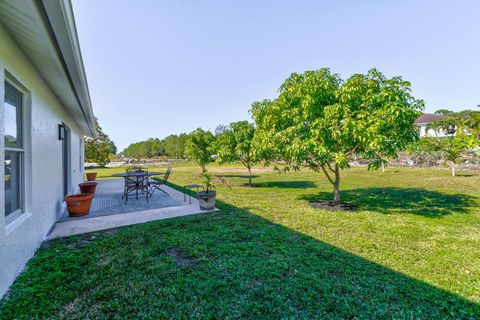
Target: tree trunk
453, 169
383, 167
249, 176
334, 181
336, 184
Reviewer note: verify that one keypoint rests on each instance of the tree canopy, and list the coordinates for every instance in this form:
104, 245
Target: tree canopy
321, 121
462, 122
199, 147
99, 149
235, 144
172, 146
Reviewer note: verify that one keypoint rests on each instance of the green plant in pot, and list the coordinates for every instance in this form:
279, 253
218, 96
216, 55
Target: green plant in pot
206, 198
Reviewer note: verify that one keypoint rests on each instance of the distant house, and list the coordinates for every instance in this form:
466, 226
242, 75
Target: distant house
45, 112
423, 123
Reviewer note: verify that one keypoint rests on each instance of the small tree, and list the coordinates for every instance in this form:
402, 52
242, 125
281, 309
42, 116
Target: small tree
320, 121
199, 146
99, 149
235, 144
455, 147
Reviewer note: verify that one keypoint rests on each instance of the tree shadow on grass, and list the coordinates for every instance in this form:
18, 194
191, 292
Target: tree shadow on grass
285, 184
243, 176
402, 200
466, 175
245, 267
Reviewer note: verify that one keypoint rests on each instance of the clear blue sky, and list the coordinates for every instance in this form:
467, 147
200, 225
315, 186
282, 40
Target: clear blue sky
161, 67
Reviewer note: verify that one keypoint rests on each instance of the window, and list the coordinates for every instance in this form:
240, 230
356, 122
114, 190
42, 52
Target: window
14, 152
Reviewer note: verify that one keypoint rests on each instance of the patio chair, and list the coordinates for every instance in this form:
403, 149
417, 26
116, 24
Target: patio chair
136, 183
156, 184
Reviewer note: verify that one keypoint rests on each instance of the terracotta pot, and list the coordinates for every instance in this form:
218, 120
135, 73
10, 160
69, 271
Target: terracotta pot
206, 200
79, 204
91, 176
88, 187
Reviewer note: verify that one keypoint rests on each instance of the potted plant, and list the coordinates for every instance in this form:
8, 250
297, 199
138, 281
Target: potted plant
206, 198
88, 187
91, 176
79, 204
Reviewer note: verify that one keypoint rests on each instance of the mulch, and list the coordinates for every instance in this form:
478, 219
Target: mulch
333, 206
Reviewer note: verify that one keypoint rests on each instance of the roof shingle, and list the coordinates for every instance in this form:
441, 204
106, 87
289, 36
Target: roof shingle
428, 117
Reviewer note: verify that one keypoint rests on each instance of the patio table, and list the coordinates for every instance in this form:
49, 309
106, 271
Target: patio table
136, 176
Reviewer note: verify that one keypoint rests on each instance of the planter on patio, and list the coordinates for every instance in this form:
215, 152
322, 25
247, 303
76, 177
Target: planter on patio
206, 199
79, 204
88, 187
91, 176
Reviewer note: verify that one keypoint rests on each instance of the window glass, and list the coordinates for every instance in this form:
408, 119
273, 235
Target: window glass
12, 182
14, 153
13, 117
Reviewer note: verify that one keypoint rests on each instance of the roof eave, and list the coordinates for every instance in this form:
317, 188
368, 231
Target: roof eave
59, 18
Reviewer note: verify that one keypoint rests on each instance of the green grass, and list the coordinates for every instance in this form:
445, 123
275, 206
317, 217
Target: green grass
411, 251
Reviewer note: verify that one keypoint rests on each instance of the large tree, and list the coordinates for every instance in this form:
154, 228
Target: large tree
199, 147
321, 121
235, 144
99, 149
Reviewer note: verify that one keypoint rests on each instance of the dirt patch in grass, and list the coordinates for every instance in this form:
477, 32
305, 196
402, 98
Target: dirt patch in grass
109, 232
89, 238
179, 257
333, 206
81, 243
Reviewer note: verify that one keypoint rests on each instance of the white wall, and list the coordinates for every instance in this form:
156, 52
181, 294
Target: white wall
20, 238
430, 132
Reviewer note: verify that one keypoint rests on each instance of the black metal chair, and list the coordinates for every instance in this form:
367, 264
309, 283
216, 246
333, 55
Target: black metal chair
156, 184
136, 183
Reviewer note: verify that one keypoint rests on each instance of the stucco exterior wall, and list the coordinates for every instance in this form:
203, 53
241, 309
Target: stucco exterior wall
20, 238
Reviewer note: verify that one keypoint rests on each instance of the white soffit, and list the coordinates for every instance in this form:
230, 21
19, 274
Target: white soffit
45, 31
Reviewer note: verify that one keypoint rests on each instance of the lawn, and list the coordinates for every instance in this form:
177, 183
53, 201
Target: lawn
411, 251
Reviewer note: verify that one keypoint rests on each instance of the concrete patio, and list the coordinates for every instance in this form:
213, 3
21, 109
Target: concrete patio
109, 210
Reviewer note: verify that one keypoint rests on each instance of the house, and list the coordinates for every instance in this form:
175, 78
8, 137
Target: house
45, 112
424, 121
